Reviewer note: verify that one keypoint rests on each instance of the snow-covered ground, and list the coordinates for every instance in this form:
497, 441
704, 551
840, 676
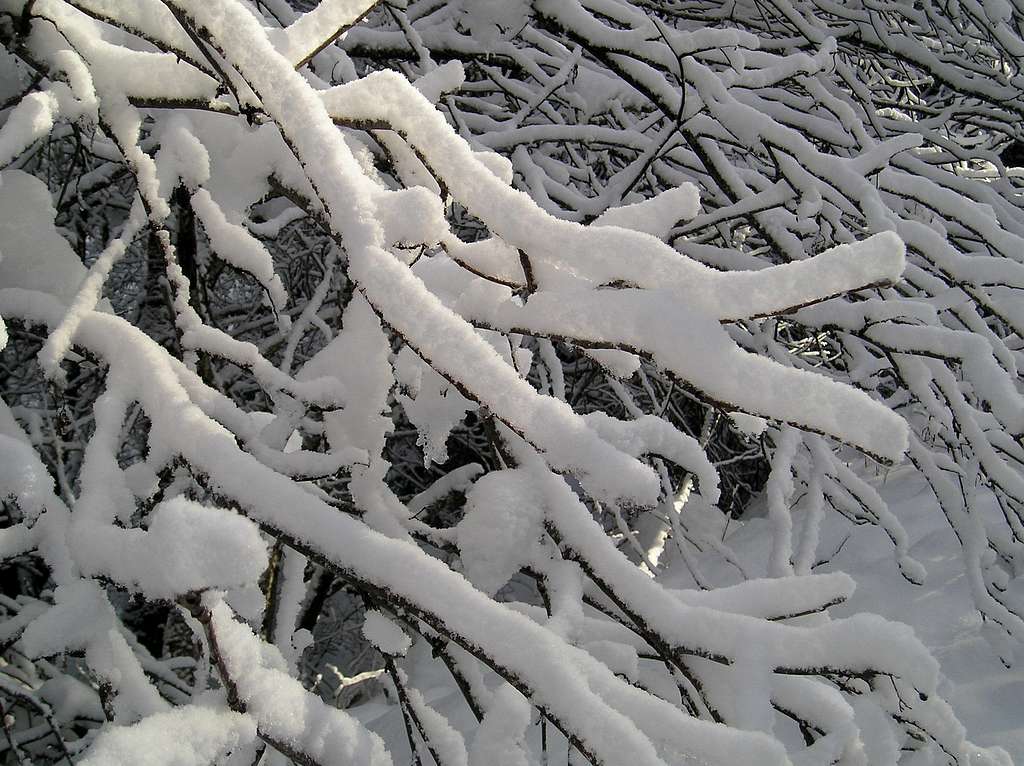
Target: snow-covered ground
988, 698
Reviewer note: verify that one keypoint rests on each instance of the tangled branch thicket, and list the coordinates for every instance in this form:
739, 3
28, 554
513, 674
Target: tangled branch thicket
357, 345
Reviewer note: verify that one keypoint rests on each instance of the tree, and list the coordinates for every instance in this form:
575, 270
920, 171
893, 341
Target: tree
322, 346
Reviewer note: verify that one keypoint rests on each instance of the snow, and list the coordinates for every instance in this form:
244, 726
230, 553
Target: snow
291, 591
70, 698
708, 633
501, 528
492, 20
433, 406
198, 547
361, 337
87, 297
305, 36
779, 491
655, 216
445, 741
83, 618
283, 710
775, 598
703, 354
384, 634
32, 255
457, 480
186, 736
235, 245
438, 326
748, 424
153, 19
651, 435
567, 681
31, 119
502, 733
985, 696
563, 249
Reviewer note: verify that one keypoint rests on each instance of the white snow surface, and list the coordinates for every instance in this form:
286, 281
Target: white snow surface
764, 634
987, 697
381, 631
187, 736
197, 547
32, 254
